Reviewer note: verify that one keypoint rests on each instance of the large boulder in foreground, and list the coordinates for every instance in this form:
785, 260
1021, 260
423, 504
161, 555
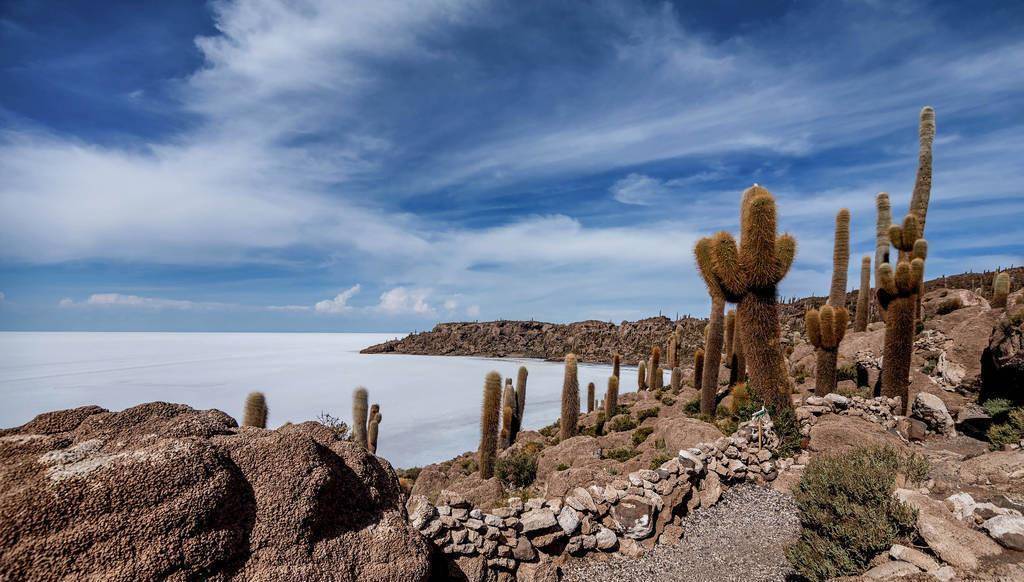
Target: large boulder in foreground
162, 491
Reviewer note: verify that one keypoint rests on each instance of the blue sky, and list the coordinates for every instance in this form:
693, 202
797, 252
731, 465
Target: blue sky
378, 165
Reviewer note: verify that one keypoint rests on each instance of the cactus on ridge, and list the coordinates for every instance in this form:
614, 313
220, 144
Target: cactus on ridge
1000, 289
255, 410
570, 399
863, 296
359, 418
923, 179
489, 413
825, 330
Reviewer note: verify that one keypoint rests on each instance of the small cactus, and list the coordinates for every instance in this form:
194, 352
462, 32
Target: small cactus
359, 418
611, 398
641, 376
825, 329
520, 397
570, 399
1000, 289
255, 410
863, 296
590, 397
489, 413
372, 430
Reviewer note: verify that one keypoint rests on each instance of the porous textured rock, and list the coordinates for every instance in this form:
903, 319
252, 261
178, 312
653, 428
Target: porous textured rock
162, 491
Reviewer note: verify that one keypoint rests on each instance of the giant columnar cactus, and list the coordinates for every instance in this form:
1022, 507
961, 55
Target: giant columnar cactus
590, 397
904, 236
611, 398
656, 374
372, 431
255, 410
570, 399
923, 180
749, 275
359, 408
676, 380
520, 397
827, 353
840, 259
508, 413
738, 373
615, 365
1000, 289
641, 376
730, 328
672, 350
698, 367
825, 330
882, 224
897, 296
863, 296
489, 424
704, 254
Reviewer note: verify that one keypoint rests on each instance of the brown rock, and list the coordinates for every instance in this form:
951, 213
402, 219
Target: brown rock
835, 433
683, 433
951, 540
575, 452
161, 490
1002, 362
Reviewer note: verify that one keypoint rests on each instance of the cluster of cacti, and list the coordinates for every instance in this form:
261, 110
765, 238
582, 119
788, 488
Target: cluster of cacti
611, 398
748, 274
863, 296
255, 410
373, 428
489, 413
698, 367
570, 399
641, 376
360, 407
825, 329
1000, 289
704, 251
590, 397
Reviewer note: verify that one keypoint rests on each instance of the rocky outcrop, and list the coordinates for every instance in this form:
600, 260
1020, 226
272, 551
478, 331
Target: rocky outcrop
162, 491
1002, 364
591, 341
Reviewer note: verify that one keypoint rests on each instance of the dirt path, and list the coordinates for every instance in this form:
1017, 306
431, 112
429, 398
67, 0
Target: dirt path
742, 537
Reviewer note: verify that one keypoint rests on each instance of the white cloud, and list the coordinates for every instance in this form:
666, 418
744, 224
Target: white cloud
66, 302
450, 305
403, 300
137, 301
473, 311
638, 189
340, 302
288, 308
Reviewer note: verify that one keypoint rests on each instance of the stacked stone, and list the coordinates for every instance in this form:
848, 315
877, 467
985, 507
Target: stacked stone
878, 410
597, 518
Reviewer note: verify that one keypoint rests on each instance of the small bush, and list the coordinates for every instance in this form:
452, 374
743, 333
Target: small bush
640, 435
469, 466
621, 454
517, 470
996, 406
1008, 432
692, 407
659, 460
788, 429
561, 467
848, 514
668, 400
550, 430
337, 426
846, 372
621, 423
646, 413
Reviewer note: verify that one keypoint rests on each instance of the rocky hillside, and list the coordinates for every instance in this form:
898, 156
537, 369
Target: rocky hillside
597, 341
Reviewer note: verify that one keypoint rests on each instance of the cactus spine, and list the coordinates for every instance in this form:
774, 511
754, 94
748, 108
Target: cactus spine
520, 397
359, 409
570, 399
590, 397
1000, 289
698, 367
704, 254
897, 296
372, 430
863, 296
489, 424
825, 330
749, 275
255, 410
641, 376
611, 398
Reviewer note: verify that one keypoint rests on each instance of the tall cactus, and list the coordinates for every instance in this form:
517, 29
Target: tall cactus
590, 397
704, 254
508, 412
897, 296
489, 424
570, 399
825, 330
520, 397
882, 223
863, 296
359, 409
730, 328
923, 180
255, 410
615, 365
698, 367
656, 374
1000, 289
672, 350
749, 275
676, 380
372, 430
611, 398
738, 373
840, 259
641, 376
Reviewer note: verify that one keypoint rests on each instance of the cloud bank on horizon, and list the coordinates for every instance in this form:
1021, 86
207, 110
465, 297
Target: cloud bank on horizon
382, 165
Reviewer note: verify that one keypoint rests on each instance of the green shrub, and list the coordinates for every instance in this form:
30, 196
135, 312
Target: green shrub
996, 406
847, 372
660, 459
621, 454
621, 423
646, 413
787, 427
692, 407
848, 514
517, 470
550, 430
469, 466
640, 435
668, 400
561, 467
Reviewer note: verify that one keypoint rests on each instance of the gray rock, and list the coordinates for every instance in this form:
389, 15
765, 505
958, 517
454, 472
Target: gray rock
915, 557
569, 520
838, 401
606, 539
890, 570
538, 520
1008, 530
930, 409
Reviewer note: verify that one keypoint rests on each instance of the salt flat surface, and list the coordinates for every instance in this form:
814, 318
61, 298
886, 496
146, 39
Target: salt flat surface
430, 404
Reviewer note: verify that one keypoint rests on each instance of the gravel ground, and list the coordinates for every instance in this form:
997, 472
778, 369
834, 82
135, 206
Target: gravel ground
742, 537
